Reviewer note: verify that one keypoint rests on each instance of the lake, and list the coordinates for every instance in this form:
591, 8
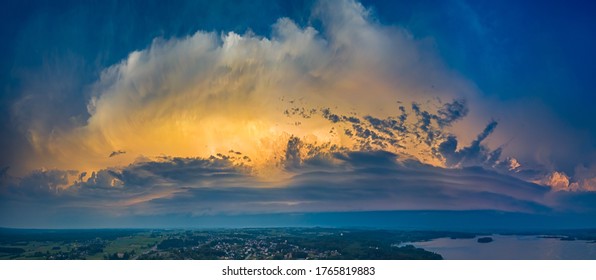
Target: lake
510, 247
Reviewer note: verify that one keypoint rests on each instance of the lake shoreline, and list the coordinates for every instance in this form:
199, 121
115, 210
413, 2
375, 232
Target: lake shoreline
511, 247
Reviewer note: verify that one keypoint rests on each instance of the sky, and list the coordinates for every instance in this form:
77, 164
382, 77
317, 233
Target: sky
197, 114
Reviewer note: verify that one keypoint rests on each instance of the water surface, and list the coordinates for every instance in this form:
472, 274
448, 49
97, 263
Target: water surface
511, 247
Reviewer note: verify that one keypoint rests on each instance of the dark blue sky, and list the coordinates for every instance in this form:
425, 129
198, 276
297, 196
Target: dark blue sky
513, 49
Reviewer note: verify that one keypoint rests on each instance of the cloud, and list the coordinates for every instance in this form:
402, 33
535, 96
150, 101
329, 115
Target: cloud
573, 202
343, 114
348, 181
559, 181
328, 182
344, 79
41, 183
115, 153
473, 155
208, 93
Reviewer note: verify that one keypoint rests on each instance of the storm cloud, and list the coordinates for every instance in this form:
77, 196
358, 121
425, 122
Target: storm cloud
336, 111
344, 181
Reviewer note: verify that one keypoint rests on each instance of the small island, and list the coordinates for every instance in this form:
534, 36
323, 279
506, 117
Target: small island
485, 240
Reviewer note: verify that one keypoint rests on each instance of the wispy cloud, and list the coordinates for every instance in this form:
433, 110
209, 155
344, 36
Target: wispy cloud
115, 153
